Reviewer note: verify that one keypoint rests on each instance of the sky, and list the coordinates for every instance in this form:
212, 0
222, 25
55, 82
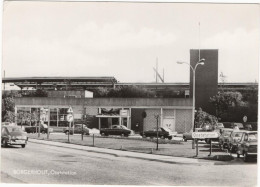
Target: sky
124, 39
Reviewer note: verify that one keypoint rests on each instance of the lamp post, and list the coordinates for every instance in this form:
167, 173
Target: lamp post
200, 62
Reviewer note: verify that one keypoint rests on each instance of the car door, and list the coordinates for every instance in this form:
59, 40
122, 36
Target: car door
77, 129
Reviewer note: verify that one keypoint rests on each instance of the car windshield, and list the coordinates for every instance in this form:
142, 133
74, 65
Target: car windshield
237, 134
252, 137
227, 133
14, 129
124, 127
165, 129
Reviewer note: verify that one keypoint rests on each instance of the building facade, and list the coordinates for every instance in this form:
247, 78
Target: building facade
137, 114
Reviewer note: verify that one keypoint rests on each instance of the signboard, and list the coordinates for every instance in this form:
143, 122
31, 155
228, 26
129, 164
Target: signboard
70, 110
69, 117
204, 135
123, 112
245, 119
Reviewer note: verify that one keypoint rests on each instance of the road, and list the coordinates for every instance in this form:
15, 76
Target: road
38, 163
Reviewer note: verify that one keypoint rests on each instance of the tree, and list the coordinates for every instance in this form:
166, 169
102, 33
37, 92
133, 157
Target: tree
124, 92
226, 102
23, 117
202, 117
8, 106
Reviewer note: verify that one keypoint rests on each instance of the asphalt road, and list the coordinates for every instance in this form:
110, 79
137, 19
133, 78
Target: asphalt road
38, 163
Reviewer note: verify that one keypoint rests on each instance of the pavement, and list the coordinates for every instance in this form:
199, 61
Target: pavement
122, 153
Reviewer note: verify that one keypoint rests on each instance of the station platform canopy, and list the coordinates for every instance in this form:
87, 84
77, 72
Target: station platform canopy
61, 83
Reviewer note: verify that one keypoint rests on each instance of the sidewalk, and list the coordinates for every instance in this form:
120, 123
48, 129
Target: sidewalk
122, 153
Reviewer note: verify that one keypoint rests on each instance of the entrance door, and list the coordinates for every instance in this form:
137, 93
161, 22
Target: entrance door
169, 122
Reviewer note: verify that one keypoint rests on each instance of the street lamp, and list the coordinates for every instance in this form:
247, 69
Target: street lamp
200, 62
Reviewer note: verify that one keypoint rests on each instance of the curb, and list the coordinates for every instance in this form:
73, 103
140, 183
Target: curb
204, 162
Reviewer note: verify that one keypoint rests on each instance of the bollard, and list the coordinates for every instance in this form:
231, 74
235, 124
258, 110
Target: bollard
152, 151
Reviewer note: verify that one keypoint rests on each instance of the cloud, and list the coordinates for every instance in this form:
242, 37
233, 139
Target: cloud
31, 57
117, 36
238, 53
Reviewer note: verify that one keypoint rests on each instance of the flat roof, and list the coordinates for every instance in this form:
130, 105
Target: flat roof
58, 79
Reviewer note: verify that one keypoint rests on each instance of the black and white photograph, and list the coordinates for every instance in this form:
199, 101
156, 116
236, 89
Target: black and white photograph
140, 93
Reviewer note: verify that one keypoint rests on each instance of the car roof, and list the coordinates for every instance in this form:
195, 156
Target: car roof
227, 129
240, 131
251, 132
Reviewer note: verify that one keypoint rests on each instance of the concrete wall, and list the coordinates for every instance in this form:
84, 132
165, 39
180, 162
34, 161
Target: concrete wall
111, 102
56, 93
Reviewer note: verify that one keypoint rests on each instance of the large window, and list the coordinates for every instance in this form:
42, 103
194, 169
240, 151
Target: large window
62, 117
53, 117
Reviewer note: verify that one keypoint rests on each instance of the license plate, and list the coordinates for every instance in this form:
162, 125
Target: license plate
20, 141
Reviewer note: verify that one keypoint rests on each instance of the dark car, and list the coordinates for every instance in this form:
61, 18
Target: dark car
77, 129
13, 135
34, 129
162, 133
247, 146
116, 130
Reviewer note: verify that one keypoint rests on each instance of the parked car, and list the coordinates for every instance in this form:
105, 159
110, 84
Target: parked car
247, 146
237, 126
94, 131
224, 137
220, 126
248, 127
162, 133
235, 137
77, 129
116, 130
13, 135
34, 129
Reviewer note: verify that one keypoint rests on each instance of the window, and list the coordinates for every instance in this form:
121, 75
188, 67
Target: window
246, 137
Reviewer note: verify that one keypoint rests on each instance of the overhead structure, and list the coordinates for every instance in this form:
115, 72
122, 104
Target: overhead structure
61, 83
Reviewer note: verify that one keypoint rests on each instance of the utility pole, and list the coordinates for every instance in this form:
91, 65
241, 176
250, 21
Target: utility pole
157, 129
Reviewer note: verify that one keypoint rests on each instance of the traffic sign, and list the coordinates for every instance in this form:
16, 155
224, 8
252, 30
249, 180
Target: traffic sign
69, 117
245, 119
70, 110
204, 135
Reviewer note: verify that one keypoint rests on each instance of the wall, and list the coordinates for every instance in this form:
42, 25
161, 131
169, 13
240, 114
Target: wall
111, 102
183, 120
150, 121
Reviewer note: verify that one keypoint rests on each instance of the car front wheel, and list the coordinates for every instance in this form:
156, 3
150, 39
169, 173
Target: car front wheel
246, 157
23, 146
4, 142
185, 139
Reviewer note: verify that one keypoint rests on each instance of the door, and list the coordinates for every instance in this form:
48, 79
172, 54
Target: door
169, 122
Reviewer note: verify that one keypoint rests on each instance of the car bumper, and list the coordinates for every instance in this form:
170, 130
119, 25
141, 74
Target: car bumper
252, 154
17, 142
